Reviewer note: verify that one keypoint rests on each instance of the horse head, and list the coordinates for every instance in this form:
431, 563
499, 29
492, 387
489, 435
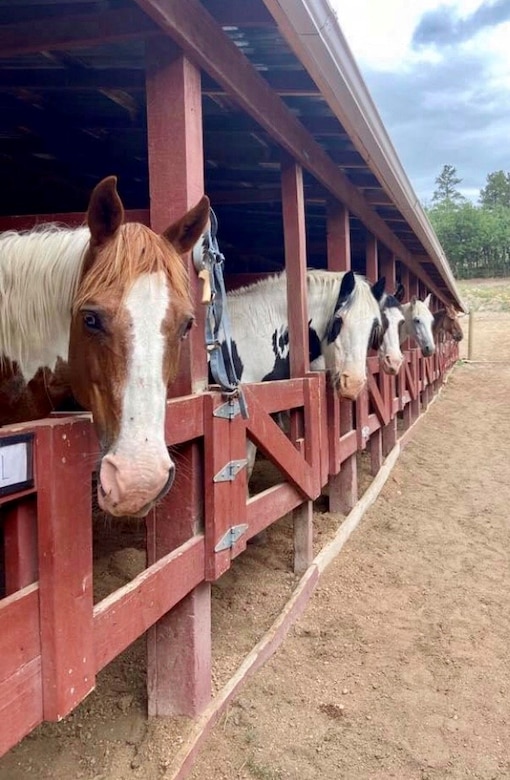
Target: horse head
390, 354
454, 326
419, 320
355, 325
130, 313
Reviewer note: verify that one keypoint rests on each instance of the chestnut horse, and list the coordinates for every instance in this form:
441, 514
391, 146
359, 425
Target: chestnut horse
446, 321
99, 312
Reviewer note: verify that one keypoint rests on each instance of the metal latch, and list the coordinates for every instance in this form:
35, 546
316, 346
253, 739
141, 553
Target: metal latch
228, 410
230, 538
229, 472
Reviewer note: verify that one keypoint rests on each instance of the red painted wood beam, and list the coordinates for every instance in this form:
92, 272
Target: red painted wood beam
371, 255
338, 237
204, 41
294, 231
74, 31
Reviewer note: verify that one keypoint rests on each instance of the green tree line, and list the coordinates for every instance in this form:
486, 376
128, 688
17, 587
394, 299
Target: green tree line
475, 238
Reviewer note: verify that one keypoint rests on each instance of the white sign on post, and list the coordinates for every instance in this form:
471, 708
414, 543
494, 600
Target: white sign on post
15, 464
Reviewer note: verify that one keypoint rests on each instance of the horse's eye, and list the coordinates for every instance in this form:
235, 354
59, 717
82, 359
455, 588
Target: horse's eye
416, 320
92, 322
185, 329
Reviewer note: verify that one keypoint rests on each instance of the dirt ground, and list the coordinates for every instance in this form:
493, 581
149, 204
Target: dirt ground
400, 665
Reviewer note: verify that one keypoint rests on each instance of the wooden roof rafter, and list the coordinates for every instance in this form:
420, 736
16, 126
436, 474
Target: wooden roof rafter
204, 41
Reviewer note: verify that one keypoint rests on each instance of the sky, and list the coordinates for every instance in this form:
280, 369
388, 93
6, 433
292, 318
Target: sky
439, 75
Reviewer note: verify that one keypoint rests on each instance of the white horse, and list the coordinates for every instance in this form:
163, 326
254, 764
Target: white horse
418, 324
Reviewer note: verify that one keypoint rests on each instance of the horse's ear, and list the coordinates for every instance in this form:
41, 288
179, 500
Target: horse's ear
427, 300
347, 286
184, 234
105, 213
400, 292
378, 288
334, 329
413, 300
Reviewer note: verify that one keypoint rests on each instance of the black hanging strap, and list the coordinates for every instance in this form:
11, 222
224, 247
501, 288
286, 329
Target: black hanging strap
209, 262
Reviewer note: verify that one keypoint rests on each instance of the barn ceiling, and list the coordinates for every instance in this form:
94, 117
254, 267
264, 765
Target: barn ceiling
72, 110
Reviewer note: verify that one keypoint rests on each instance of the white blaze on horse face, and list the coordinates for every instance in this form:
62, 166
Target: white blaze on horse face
346, 356
138, 468
390, 354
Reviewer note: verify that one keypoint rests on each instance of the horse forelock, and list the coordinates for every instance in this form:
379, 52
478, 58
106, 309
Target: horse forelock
39, 274
134, 252
361, 304
390, 302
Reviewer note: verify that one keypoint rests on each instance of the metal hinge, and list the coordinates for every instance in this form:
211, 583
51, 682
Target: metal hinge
229, 472
230, 538
228, 410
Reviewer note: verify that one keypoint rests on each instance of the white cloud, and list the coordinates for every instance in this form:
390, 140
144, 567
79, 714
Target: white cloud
443, 95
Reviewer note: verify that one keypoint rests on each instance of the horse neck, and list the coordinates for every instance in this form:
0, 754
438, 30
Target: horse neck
440, 320
264, 305
39, 274
406, 331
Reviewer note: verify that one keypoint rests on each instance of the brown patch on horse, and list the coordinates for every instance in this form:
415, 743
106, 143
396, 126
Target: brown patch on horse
47, 392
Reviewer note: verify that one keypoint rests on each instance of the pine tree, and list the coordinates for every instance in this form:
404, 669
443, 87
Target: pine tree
446, 193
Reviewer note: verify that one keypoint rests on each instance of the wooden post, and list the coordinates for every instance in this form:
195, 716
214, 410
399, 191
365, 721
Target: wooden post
179, 645
372, 263
343, 484
64, 517
471, 333
388, 269
372, 274
293, 207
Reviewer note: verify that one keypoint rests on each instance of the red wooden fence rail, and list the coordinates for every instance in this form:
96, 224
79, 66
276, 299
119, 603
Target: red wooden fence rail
53, 639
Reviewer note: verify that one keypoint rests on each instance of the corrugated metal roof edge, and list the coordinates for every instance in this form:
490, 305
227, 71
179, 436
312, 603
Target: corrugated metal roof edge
313, 28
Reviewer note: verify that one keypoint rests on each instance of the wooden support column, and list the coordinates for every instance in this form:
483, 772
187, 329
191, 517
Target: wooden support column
64, 515
372, 261
338, 237
388, 269
179, 645
294, 230
401, 378
343, 484
372, 274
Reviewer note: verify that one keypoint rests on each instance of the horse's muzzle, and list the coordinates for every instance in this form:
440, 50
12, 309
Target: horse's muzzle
127, 488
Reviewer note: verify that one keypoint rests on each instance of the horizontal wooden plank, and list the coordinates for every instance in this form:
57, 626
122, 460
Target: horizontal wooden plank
19, 630
73, 31
268, 506
128, 612
184, 419
70, 218
21, 708
280, 395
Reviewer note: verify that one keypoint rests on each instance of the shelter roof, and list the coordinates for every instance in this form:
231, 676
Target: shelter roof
72, 110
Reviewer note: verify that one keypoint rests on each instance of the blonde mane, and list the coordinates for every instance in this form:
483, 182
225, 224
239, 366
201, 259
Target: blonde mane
40, 288
134, 251
39, 275
323, 288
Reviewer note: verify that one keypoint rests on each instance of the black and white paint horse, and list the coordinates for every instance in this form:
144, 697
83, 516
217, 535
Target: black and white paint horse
390, 354
345, 320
